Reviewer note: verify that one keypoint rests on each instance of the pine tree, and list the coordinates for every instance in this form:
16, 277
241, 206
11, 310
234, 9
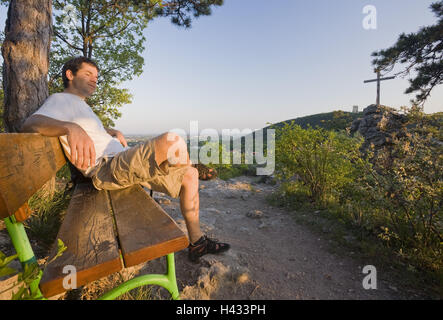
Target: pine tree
421, 52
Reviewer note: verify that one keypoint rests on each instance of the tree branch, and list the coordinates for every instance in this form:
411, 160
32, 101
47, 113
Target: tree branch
66, 41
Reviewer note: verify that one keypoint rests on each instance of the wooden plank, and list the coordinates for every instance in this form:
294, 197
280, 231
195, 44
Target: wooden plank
88, 233
27, 162
145, 230
23, 213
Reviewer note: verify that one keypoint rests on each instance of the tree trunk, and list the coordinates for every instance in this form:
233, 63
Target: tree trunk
25, 52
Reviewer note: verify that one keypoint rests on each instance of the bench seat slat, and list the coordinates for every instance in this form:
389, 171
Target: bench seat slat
145, 230
88, 233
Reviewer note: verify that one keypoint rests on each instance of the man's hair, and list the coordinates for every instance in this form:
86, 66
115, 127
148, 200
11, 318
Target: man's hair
74, 65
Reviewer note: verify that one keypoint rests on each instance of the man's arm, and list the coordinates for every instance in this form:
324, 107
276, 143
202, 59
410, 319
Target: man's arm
118, 135
81, 145
46, 126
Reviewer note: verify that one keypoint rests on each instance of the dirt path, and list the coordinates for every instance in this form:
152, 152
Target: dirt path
271, 256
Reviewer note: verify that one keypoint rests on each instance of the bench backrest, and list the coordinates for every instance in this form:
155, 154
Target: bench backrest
27, 162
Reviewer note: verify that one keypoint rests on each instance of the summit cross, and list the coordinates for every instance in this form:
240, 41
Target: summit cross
379, 79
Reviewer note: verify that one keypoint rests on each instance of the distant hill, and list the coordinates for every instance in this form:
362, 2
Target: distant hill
335, 120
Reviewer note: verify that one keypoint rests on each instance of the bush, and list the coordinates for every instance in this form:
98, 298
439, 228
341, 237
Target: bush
404, 196
397, 195
323, 161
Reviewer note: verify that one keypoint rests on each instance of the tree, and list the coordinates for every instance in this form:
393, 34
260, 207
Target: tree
25, 53
2, 96
422, 52
111, 32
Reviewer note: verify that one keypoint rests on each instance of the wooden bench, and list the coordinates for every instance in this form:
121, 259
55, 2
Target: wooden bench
104, 231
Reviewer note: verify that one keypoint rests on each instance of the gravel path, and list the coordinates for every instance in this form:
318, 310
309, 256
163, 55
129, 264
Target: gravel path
271, 255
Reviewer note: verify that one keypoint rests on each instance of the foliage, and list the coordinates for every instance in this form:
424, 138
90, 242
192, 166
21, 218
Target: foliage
179, 10
46, 217
111, 33
405, 195
323, 161
28, 279
223, 159
422, 52
335, 120
400, 201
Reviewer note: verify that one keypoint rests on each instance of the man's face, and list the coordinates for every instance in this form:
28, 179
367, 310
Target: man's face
85, 81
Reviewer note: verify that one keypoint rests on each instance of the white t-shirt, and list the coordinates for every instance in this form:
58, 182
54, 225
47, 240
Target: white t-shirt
70, 107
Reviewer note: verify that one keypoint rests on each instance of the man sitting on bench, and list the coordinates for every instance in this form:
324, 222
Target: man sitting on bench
102, 154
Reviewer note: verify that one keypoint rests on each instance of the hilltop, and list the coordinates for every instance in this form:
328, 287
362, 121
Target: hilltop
335, 120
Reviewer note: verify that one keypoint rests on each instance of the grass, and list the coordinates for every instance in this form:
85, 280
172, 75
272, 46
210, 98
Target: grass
47, 211
140, 293
45, 220
228, 171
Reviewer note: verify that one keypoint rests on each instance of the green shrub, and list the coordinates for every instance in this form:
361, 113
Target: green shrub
324, 161
403, 197
397, 196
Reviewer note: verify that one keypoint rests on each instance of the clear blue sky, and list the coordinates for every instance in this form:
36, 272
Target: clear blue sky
255, 61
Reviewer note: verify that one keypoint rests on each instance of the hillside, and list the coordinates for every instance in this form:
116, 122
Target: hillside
335, 120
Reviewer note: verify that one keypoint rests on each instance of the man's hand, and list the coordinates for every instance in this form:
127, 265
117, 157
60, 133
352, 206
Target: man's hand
82, 147
117, 134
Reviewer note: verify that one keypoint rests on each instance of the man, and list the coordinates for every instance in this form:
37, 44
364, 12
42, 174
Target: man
102, 154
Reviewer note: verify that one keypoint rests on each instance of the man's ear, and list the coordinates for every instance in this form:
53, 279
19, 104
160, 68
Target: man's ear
69, 75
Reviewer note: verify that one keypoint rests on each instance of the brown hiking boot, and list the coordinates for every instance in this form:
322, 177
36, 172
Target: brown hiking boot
204, 172
206, 245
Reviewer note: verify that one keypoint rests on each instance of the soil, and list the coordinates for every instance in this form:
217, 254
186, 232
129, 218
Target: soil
272, 256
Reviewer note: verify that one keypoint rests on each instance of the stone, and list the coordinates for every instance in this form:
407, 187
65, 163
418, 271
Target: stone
212, 210
163, 201
254, 214
379, 126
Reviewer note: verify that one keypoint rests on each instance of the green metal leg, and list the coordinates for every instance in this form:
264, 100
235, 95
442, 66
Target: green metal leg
26, 256
167, 281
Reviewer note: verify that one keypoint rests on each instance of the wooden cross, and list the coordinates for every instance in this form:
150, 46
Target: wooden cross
379, 79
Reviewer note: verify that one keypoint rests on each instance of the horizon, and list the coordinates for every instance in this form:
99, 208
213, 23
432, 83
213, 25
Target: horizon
251, 63
220, 133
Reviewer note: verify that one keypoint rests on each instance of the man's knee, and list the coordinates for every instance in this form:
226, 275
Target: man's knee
170, 146
170, 138
191, 176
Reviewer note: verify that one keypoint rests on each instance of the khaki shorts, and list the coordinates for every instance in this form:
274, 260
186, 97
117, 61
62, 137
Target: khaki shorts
137, 165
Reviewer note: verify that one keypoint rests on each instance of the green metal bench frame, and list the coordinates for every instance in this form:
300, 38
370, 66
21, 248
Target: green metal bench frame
26, 256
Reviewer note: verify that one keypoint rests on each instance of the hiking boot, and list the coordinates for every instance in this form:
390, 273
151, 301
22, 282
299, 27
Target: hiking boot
206, 245
204, 172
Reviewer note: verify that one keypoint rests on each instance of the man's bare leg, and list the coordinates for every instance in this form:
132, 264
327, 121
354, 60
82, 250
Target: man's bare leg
189, 204
189, 198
